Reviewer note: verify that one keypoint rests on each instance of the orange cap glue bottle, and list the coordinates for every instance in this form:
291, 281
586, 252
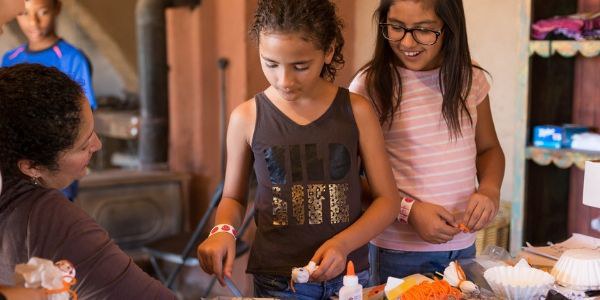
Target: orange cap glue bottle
352, 290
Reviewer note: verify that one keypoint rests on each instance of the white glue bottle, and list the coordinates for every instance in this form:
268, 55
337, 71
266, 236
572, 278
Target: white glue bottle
352, 290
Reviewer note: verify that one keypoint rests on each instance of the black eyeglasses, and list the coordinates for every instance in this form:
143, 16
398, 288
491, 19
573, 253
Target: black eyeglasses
396, 32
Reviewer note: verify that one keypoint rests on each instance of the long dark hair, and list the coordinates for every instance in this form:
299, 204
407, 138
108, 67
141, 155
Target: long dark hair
317, 19
456, 72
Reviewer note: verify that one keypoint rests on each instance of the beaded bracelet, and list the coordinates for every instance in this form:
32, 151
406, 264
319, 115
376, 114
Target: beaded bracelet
223, 228
405, 207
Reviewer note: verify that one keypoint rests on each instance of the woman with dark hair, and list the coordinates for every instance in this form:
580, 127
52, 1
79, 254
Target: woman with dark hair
10, 9
433, 105
48, 138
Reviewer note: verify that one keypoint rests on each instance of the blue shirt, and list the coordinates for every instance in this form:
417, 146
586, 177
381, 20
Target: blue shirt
62, 56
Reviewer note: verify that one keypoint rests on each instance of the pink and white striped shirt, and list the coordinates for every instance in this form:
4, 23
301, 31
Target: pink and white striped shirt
427, 162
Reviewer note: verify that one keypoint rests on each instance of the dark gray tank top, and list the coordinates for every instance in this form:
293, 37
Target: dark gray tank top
308, 185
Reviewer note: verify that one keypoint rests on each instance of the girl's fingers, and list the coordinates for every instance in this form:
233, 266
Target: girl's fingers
228, 269
217, 266
447, 217
447, 230
324, 266
335, 268
444, 238
332, 264
204, 266
469, 211
205, 263
483, 220
318, 256
475, 216
317, 260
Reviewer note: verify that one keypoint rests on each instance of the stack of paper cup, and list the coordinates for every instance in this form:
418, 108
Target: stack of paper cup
518, 282
578, 269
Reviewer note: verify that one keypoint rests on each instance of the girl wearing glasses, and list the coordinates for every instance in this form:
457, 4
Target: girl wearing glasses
432, 101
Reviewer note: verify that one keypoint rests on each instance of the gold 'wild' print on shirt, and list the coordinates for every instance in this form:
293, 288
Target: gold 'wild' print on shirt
298, 203
315, 203
338, 203
280, 217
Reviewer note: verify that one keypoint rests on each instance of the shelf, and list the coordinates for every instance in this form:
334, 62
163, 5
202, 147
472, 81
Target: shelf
562, 158
587, 48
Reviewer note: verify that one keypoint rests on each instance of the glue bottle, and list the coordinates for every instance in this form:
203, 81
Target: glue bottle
352, 290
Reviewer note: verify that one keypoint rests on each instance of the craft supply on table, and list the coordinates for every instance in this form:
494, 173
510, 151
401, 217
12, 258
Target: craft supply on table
396, 287
463, 228
455, 276
519, 282
302, 274
438, 289
554, 251
578, 269
352, 290
56, 279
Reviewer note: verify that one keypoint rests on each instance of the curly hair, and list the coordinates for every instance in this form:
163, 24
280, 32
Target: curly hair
39, 116
317, 19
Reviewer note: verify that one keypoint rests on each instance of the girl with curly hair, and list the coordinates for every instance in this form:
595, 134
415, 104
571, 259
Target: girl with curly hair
306, 138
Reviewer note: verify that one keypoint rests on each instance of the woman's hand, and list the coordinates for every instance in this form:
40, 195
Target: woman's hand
216, 255
482, 208
432, 222
20, 293
331, 259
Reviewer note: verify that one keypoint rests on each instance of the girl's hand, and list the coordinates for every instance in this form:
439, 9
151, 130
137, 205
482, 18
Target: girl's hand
433, 223
481, 210
331, 259
216, 255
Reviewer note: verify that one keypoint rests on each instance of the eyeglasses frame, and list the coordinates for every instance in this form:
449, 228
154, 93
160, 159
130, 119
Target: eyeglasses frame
410, 30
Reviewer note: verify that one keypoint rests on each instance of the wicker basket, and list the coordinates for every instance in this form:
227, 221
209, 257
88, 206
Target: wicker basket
497, 232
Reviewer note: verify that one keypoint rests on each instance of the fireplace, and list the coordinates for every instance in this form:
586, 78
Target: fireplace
136, 207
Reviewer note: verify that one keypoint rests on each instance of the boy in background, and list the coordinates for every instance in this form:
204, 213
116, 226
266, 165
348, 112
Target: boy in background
45, 47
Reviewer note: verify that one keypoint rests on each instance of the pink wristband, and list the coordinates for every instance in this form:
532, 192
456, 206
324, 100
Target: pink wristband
405, 207
223, 228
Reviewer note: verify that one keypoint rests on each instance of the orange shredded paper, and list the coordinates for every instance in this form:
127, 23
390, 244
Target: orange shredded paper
66, 289
436, 290
463, 228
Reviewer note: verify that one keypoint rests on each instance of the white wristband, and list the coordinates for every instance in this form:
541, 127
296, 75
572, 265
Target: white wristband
223, 228
405, 207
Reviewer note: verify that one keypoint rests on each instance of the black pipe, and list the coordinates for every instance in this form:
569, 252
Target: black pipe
153, 74
223, 63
